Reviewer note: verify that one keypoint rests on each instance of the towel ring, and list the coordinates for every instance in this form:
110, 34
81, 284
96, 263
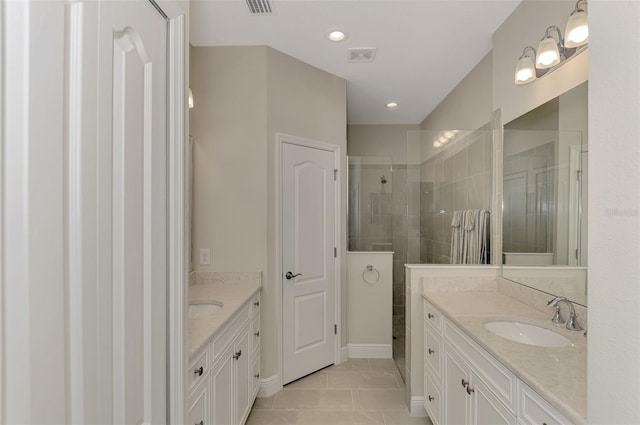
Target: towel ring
370, 268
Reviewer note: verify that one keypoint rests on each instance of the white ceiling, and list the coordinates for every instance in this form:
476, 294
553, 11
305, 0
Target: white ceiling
424, 47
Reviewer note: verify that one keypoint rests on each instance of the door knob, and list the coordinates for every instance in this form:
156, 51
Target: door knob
290, 275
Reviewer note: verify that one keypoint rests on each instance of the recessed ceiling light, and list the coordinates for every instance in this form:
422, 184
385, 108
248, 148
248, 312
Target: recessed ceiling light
337, 35
392, 105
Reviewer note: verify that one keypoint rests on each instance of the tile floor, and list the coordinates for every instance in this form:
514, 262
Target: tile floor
358, 392
398, 343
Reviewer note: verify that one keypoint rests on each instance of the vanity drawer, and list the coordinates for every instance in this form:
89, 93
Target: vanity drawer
198, 369
198, 405
494, 373
533, 410
432, 316
433, 352
433, 402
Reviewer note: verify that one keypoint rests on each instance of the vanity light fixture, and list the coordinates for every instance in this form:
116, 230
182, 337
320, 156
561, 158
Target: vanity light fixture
553, 50
577, 30
191, 104
392, 105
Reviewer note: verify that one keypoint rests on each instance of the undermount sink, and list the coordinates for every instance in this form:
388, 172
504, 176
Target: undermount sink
528, 334
203, 309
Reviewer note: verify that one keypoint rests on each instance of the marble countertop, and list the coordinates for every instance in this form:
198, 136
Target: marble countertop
233, 294
558, 374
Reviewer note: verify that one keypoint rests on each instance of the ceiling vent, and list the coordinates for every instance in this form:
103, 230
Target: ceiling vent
362, 54
259, 7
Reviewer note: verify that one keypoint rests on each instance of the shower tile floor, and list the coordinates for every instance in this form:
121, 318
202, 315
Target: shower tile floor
358, 392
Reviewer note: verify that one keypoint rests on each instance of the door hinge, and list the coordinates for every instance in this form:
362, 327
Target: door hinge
335, 329
335, 174
335, 252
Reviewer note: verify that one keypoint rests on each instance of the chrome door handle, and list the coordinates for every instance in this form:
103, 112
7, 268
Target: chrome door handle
290, 275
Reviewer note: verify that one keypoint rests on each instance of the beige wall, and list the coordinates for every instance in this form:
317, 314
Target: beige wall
245, 96
469, 105
229, 127
380, 140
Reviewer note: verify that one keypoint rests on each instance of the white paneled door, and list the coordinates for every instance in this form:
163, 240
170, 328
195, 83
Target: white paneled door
308, 262
118, 212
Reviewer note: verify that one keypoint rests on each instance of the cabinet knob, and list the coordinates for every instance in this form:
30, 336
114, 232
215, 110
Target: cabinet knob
431, 398
200, 423
199, 371
430, 316
430, 351
464, 383
257, 376
237, 355
257, 333
470, 390
257, 303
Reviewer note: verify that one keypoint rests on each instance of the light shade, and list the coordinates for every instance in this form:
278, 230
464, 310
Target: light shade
576, 33
548, 54
190, 99
525, 70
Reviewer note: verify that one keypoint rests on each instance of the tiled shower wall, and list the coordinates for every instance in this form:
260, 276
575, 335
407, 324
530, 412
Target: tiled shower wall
459, 177
382, 216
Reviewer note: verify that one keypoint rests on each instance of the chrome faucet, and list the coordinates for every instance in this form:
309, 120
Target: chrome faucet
572, 323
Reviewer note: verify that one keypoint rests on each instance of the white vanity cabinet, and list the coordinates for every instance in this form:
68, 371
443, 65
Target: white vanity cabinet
224, 392
464, 384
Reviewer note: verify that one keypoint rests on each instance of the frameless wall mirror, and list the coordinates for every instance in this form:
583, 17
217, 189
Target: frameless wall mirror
545, 178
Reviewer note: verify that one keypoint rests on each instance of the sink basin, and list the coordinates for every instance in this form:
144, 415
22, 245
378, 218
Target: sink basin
528, 334
203, 309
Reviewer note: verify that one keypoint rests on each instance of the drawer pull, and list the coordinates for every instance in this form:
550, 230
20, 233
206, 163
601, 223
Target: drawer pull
430, 351
200, 423
199, 371
257, 333
237, 355
464, 383
431, 398
257, 376
257, 303
470, 390
430, 316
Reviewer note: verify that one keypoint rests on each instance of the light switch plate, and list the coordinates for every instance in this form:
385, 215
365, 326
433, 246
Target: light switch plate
205, 256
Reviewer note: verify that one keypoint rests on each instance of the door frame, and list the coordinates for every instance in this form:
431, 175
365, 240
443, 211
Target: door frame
280, 140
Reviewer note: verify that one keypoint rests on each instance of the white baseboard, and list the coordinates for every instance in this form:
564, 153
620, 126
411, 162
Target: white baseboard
417, 407
269, 386
369, 351
344, 354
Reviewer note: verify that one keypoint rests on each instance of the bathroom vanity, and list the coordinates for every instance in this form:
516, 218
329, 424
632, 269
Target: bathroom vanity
224, 350
472, 375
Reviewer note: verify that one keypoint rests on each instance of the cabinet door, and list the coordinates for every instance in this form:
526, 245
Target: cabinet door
199, 406
242, 376
456, 379
222, 386
487, 409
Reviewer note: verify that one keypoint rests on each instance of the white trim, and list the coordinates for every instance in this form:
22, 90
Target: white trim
178, 255
575, 152
344, 354
280, 139
416, 407
370, 351
270, 386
